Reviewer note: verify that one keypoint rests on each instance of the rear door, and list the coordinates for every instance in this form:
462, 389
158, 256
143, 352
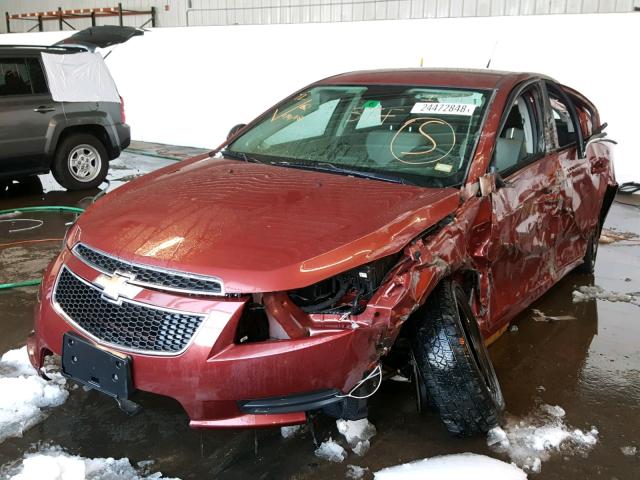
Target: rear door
102, 36
524, 210
585, 185
27, 113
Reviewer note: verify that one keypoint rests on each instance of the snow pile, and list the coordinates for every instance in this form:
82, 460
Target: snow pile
358, 434
595, 292
531, 441
292, 431
629, 451
54, 464
331, 451
354, 472
25, 395
462, 466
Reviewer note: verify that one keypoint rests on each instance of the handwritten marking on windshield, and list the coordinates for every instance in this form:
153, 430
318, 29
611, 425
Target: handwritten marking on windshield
288, 113
423, 124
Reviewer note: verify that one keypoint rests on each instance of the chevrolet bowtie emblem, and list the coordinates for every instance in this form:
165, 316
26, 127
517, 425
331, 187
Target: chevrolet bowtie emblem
116, 286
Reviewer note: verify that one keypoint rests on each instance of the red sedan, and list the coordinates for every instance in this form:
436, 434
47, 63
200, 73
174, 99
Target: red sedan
370, 223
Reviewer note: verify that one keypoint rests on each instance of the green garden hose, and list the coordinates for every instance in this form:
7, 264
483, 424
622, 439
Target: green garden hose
28, 283
49, 208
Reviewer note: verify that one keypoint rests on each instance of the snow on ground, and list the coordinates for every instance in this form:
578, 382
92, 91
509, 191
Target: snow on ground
25, 395
331, 451
354, 472
630, 450
461, 466
292, 431
532, 440
358, 434
54, 464
595, 292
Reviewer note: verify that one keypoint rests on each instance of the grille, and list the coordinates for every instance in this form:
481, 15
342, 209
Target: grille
130, 325
149, 276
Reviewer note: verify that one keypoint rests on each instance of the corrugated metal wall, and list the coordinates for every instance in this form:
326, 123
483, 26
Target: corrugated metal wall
174, 13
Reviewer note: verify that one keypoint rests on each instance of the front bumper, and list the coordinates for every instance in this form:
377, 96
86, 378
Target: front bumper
218, 382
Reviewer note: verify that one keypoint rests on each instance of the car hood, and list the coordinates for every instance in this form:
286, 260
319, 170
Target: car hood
259, 227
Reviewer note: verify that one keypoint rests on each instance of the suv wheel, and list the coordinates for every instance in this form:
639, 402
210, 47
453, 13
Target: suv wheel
454, 364
81, 162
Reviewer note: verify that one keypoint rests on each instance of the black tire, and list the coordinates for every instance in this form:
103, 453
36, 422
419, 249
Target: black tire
589, 261
81, 162
454, 364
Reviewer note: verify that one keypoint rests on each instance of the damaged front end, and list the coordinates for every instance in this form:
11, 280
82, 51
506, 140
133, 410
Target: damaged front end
251, 360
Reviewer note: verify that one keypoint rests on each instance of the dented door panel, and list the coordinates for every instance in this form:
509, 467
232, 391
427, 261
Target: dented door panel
524, 228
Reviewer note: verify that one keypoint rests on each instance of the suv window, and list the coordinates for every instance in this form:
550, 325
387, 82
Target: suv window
565, 129
21, 76
521, 137
36, 75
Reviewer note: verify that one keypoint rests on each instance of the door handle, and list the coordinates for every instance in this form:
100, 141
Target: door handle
43, 109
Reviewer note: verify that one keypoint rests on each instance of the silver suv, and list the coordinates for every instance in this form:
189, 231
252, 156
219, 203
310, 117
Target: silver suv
41, 132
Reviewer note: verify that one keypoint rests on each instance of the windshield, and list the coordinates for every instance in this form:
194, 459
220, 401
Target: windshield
420, 135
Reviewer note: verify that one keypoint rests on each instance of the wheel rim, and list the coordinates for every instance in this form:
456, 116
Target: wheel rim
421, 391
84, 163
478, 350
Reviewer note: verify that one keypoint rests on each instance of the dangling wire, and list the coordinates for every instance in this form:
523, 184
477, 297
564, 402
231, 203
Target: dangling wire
375, 372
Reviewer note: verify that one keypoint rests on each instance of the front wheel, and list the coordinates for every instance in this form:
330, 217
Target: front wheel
81, 162
454, 364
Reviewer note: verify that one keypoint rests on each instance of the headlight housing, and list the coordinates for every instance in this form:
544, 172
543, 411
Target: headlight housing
346, 292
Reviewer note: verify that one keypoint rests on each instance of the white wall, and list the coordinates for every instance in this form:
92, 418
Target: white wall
188, 86
173, 13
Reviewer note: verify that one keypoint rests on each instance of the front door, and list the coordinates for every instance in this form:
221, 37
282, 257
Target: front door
26, 114
524, 209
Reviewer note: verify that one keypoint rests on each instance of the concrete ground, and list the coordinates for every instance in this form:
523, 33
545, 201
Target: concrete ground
588, 364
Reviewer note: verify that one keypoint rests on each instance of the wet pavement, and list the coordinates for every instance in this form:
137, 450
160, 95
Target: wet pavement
589, 365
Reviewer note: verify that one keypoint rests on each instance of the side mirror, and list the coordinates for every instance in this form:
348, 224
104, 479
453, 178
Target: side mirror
235, 129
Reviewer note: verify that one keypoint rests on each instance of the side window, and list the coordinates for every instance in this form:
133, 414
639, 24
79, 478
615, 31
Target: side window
521, 136
14, 77
36, 75
565, 129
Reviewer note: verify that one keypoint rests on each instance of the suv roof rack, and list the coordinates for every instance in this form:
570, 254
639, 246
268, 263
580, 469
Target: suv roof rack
48, 47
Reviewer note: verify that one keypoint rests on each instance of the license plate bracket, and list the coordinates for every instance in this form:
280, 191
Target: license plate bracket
99, 369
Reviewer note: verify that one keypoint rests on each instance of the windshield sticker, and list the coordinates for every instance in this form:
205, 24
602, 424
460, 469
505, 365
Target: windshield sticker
371, 104
463, 109
443, 167
414, 142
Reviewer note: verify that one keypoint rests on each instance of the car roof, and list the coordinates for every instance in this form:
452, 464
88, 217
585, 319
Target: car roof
467, 78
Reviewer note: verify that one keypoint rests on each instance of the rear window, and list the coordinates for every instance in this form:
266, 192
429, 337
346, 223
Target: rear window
424, 134
21, 76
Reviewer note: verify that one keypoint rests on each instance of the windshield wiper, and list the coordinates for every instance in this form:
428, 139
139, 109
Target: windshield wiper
239, 156
330, 167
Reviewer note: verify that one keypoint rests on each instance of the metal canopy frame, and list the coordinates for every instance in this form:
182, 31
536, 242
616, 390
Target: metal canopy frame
93, 13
